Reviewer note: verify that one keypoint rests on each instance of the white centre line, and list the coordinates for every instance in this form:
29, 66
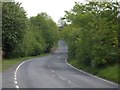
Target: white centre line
48, 65
52, 71
69, 81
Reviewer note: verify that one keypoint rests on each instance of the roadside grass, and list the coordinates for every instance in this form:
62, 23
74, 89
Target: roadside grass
110, 72
9, 63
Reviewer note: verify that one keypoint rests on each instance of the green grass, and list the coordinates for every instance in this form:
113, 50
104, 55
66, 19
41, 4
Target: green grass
9, 63
109, 73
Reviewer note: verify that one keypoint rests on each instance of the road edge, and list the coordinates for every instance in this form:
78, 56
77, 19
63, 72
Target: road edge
90, 74
16, 70
15, 73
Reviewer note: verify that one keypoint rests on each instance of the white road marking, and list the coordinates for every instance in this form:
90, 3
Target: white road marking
17, 86
89, 73
16, 82
69, 81
64, 79
15, 78
15, 74
48, 65
52, 71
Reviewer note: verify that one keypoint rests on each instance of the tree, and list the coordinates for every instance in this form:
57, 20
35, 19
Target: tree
47, 27
92, 36
14, 24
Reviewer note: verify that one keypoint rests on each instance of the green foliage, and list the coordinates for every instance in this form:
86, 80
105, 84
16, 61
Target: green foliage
112, 70
26, 37
47, 28
14, 24
92, 36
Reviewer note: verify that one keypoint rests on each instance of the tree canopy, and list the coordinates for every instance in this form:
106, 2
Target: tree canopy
14, 24
22, 36
92, 35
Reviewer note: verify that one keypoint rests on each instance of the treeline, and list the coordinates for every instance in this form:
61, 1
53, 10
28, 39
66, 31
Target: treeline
22, 36
91, 31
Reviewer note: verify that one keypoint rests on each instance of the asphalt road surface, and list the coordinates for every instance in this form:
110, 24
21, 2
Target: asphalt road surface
0, 80
51, 72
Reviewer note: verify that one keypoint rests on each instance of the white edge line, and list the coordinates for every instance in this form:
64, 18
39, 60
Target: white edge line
15, 78
16, 82
17, 86
15, 74
89, 73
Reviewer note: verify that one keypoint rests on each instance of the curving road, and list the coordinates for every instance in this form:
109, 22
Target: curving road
51, 72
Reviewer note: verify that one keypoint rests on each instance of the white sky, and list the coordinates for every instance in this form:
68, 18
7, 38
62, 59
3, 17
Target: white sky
54, 8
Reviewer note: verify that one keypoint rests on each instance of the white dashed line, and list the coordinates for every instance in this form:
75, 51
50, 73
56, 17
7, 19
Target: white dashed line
16, 82
17, 86
48, 65
69, 81
52, 71
15, 75
15, 78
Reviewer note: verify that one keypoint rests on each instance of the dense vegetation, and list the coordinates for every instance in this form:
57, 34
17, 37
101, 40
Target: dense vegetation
26, 37
91, 31
92, 35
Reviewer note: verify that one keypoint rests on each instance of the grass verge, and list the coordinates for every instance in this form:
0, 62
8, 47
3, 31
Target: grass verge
110, 73
9, 63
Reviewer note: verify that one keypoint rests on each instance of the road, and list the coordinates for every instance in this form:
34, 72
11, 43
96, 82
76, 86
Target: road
0, 80
51, 72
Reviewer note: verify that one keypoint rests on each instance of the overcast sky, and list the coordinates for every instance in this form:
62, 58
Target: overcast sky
54, 8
